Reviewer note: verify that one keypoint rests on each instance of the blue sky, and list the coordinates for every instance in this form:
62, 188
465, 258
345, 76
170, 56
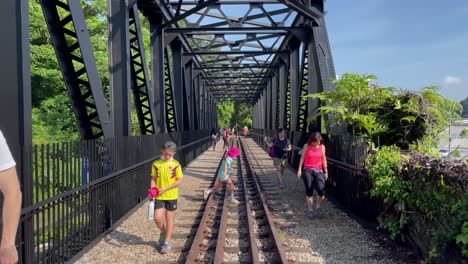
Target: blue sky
407, 44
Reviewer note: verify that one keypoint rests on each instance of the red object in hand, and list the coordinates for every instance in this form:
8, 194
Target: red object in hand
153, 192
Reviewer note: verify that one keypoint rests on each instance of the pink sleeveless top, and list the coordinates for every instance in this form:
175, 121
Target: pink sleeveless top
313, 158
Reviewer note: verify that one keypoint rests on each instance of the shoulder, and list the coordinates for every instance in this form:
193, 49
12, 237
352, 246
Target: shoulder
175, 163
158, 162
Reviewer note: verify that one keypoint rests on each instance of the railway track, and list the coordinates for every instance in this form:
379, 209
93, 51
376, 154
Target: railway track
237, 233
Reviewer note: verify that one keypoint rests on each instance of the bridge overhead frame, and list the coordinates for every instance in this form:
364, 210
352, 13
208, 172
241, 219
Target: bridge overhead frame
270, 55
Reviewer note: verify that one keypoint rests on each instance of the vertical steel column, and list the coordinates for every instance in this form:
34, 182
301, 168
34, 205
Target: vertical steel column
188, 100
205, 98
15, 104
69, 33
119, 66
176, 48
15, 74
274, 100
157, 70
322, 51
283, 86
140, 78
295, 88
268, 104
196, 101
264, 110
202, 105
315, 85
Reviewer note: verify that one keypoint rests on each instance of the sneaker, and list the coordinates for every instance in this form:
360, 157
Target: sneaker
206, 194
234, 200
310, 214
166, 248
319, 211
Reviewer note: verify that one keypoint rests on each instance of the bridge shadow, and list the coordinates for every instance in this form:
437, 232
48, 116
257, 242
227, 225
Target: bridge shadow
125, 239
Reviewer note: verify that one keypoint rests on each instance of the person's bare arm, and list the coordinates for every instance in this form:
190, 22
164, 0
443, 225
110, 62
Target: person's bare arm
301, 161
324, 163
10, 187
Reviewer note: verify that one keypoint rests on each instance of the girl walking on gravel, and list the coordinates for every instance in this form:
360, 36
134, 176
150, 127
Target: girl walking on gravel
279, 147
315, 171
224, 175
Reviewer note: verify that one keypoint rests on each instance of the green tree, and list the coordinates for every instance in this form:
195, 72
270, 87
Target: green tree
386, 115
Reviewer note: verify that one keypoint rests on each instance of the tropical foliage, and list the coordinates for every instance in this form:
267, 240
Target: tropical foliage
385, 116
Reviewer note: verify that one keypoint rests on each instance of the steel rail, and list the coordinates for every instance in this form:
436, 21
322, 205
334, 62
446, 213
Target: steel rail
280, 252
197, 243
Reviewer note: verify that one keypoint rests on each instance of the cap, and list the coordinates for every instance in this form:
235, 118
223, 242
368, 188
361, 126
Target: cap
233, 152
170, 145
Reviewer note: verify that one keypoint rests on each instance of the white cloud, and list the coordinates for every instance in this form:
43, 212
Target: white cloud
452, 80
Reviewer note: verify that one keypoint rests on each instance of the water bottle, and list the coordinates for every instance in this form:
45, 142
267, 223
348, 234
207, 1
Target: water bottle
151, 209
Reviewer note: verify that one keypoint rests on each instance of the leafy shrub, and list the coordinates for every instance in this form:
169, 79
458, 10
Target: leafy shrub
386, 116
424, 197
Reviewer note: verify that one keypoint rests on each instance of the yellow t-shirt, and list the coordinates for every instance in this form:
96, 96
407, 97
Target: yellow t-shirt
166, 173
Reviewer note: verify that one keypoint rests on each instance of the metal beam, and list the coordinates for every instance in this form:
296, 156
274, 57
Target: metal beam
311, 12
119, 67
197, 8
15, 106
157, 67
295, 84
75, 55
140, 77
283, 86
245, 53
176, 48
250, 18
232, 30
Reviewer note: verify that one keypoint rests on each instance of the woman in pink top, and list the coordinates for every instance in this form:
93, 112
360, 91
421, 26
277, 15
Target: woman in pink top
315, 171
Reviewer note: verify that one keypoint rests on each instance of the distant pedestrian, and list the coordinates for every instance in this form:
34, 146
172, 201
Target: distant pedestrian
214, 137
224, 176
226, 138
246, 130
10, 187
166, 175
315, 171
279, 147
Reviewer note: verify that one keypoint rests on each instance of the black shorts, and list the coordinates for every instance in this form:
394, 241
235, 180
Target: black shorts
170, 205
313, 179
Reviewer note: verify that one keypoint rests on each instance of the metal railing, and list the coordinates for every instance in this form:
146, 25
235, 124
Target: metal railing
348, 182
81, 189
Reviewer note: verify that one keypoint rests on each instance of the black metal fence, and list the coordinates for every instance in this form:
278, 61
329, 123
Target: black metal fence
80, 189
348, 182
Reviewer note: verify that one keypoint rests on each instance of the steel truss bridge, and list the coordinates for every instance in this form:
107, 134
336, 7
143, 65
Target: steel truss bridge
266, 53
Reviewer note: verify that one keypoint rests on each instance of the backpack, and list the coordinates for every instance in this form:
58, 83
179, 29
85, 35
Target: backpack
271, 153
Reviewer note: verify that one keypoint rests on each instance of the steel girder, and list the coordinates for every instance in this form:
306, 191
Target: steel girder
15, 106
140, 79
69, 33
119, 59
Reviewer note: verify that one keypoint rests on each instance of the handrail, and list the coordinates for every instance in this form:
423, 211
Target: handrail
344, 165
36, 206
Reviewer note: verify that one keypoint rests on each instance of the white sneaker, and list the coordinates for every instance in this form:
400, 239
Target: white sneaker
206, 194
234, 200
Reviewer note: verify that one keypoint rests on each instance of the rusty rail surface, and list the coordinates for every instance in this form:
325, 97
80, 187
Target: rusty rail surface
245, 170
280, 252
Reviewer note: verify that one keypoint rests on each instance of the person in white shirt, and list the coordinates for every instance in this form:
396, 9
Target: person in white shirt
9, 186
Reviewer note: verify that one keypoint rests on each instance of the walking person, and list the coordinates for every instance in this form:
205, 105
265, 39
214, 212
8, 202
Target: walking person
214, 138
315, 171
246, 130
224, 176
10, 187
279, 147
226, 138
166, 175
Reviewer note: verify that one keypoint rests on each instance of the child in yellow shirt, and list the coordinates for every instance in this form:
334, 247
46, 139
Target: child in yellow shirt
166, 175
